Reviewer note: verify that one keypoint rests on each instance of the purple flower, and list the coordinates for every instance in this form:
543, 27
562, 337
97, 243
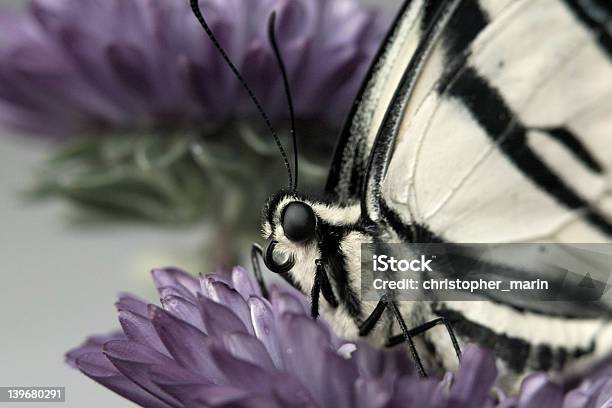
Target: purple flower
70, 66
215, 342
143, 74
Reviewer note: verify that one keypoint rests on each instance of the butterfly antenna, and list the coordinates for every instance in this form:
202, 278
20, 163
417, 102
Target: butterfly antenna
281, 64
198, 13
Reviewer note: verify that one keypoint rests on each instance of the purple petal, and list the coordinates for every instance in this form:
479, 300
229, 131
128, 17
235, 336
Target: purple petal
219, 319
92, 344
225, 295
418, 393
305, 347
182, 384
184, 310
133, 360
132, 304
538, 391
257, 401
214, 396
291, 392
86, 52
284, 302
129, 66
189, 346
248, 348
244, 284
140, 329
129, 350
374, 364
476, 376
99, 368
216, 277
264, 326
335, 392
371, 394
240, 373
603, 389
174, 277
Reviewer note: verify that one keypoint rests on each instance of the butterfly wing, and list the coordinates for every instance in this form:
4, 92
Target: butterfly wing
349, 165
512, 142
499, 131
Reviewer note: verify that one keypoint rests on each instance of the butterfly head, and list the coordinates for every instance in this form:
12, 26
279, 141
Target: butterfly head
302, 232
291, 227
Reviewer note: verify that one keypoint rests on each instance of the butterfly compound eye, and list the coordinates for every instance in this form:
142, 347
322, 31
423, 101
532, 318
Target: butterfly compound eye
299, 221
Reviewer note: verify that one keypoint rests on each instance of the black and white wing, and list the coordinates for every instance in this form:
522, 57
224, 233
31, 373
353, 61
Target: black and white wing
352, 154
491, 124
512, 140
508, 139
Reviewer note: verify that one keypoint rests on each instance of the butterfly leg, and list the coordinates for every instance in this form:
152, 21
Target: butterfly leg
256, 256
423, 328
321, 286
368, 324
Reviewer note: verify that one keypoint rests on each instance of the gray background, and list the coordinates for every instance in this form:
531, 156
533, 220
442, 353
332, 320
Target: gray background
59, 281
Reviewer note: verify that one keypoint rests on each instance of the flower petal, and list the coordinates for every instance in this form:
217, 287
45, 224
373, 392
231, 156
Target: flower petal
248, 348
175, 277
129, 66
133, 360
92, 344
284, 302
225, 295
476, 375
421, 393
538, 391
302, 340
182, 384
99, 368
132, 304
141, 330
189, 346
240, 373
219, 319
184, 310
264, 326
256, 401
291, 392
215, 396
244, 284
371, 394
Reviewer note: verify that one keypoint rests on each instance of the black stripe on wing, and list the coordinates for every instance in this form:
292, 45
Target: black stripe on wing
502, 126
518, 353
468, 20
597, 16
574, 145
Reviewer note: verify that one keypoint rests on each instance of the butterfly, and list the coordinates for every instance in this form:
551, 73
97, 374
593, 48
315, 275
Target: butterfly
479, 122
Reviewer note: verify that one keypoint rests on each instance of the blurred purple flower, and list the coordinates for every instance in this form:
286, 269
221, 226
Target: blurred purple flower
217, 343
69, 66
